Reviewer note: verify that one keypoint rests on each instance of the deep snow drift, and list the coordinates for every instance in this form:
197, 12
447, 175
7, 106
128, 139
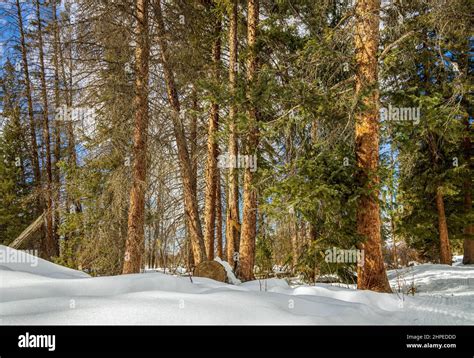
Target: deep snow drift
43, 293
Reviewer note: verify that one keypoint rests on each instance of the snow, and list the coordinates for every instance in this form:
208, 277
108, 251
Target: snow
178, 270
230, 274
47, 294
21, 261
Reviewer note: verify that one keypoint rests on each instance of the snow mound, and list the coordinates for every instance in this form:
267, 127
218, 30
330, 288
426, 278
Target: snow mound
47, 294
435, 279
22, 261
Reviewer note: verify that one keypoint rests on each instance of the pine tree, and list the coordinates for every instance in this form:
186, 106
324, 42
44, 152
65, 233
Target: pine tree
232, 213
98, 181
28, 94
136, 215
57, 125
430, 157
190, 200
50, 245
249, 221
212, 147
16, 186
372, 274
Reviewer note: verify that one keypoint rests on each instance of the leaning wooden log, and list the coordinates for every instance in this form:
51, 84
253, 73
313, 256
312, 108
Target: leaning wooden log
35, 230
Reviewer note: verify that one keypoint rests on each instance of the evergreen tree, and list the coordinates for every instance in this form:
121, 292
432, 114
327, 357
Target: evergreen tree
16, 186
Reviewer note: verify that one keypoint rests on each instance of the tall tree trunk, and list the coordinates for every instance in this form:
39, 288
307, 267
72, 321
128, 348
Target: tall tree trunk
468, 258
444, 248
212, 149
232, 214
249, 222
190, 199
193, 140
371, 275
312, 238
50, 244
394, 242
67, 79
219, 215
468, 245
392, 206
294, 241
136, 214
193, 154
194, 167
57, 123
32, 125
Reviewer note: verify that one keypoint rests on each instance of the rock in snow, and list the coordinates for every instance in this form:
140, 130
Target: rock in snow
41, 293
212, 270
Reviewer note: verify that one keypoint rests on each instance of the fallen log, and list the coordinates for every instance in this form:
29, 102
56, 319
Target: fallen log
35, 229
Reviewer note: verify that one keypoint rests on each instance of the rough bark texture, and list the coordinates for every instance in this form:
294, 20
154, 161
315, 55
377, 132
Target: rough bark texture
468, 258
232, 214
68, 94
249, 222
219, 215
294, 242
136, 214
212, 149
193, 141
444, 248
468, 246
57, 123
445, 251
312, 238
393, 200
50, 245
190, 200
371, 275
32, 125
193, 154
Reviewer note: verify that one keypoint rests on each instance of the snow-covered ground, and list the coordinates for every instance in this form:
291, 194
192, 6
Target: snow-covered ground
42, 293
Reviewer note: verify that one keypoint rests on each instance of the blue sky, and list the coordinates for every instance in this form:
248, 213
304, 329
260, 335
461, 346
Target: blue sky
9, 34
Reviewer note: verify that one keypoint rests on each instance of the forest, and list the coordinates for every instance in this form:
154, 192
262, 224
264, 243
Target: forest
316, 141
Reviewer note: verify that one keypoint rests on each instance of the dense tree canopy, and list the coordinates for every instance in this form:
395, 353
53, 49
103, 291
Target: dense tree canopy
169, 132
